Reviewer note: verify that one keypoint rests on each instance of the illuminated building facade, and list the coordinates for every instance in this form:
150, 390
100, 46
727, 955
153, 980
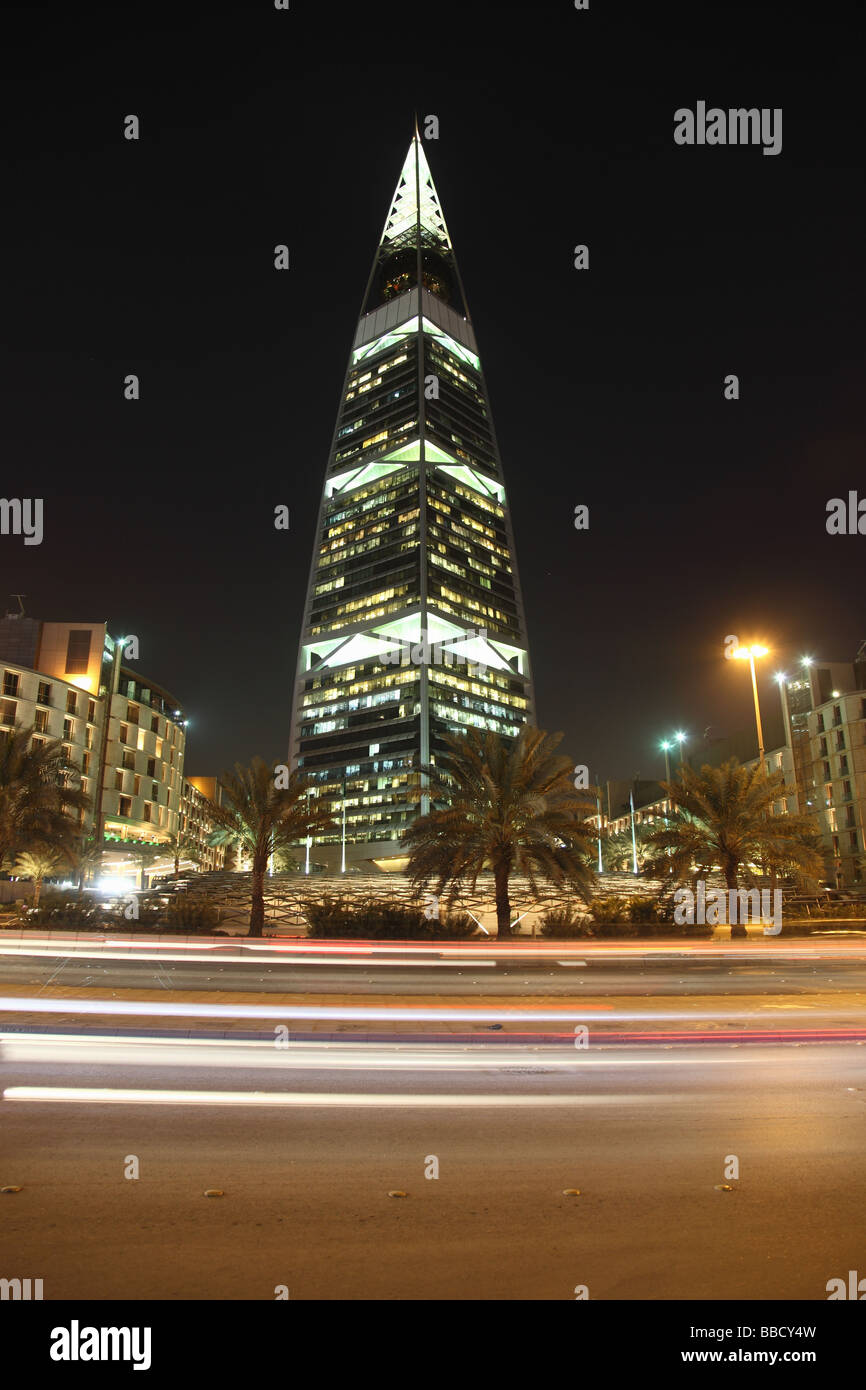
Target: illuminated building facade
60, 677
414, 621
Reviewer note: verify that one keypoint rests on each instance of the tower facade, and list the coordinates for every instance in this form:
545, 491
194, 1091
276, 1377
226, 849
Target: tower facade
413, 624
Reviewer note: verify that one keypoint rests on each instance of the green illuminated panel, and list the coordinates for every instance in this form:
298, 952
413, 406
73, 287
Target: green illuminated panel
356, 477
452, 345
394, 335
486, 486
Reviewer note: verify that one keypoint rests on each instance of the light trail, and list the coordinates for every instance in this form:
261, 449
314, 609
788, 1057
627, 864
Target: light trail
379, 1013
674, 950
133, 953
94, 1095
261, 1054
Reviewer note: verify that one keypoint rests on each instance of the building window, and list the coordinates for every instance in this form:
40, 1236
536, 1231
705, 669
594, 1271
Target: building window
40, 720
826, 772
849, 816
125, 807
837, 715
118, 781
843, 765
71, 702
151, 767
846, 791
132, 714
37, 742
147, 810
853, 839
85, 763
91, 710
840, 741
44, 696
136, 786
154, 795
124, 733
820, 722
68, 731
8, 710
823, 748
10, 682
78, 652
129, 759
154, 724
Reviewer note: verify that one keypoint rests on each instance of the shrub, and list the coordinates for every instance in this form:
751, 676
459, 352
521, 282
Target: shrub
565, 924
382, 919
643, 910
188, 912
609, 908
65, 909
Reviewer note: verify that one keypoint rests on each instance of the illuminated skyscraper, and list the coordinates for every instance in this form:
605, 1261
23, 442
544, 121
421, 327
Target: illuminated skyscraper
414, 621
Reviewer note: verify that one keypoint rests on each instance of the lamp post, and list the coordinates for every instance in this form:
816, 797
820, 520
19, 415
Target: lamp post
600, 819
343, 853
111, 690
666, 745
314, 791
681, 740
749, 654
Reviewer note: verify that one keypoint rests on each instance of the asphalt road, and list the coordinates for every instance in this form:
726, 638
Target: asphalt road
655, 973
644, 1134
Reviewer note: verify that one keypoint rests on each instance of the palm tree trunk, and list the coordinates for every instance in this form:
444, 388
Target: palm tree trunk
503, 904
257, 905
37, 888
730, 867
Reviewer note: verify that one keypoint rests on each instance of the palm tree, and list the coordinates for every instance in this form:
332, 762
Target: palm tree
39, 864
617, 849
509, 804
88, 857
40, 794
261, 818
723, 820
184, 847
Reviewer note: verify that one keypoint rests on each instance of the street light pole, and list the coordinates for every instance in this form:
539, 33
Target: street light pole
749, 654
343, 855
757, 707
99, 828
598, 807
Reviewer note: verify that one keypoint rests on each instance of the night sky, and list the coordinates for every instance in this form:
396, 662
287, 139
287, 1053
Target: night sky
258, 127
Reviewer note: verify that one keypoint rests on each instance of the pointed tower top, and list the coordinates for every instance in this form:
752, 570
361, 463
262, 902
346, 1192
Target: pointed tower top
415, 192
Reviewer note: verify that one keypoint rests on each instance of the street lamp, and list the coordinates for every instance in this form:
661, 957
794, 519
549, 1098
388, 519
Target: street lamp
667, 745
749, 654
681, 740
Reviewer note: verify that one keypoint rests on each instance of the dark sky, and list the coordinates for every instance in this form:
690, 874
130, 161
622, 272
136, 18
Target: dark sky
707, 516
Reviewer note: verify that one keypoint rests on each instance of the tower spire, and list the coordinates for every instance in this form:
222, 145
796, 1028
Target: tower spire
414, 623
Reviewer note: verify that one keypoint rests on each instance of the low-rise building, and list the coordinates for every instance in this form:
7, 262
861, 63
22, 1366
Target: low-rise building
125, 732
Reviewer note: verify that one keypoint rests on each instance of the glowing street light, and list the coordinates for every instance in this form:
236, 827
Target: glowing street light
749, 654
681, 740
